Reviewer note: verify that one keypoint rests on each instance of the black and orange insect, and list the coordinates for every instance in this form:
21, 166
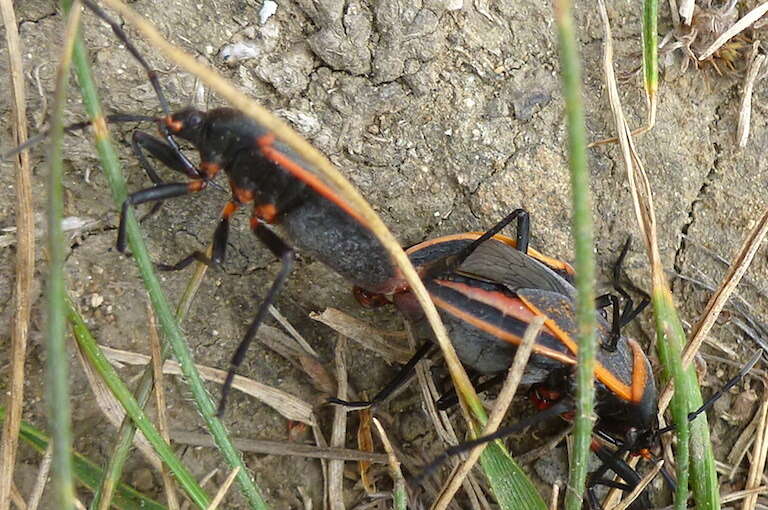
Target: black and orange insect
285, 194
488, 297
488, 288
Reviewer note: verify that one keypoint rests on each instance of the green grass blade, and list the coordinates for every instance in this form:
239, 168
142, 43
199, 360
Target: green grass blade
121, 392
511, 486
651, 51
694, 457
583, 243
165, 317
669, 347
124, 444
87, 473
57, 363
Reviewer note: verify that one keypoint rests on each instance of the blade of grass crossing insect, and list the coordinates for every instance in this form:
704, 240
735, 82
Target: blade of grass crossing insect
100, 364
170, 328
694, 457
87, 473
57, 364
585, 265
651, 56
669, 344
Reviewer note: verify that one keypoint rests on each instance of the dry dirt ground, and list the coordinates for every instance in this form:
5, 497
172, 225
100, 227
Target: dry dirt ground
444, 118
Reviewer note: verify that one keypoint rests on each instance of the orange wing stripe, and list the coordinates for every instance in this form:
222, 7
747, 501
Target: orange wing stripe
471, 236
310, 179
601, 373
639, 372
500, 333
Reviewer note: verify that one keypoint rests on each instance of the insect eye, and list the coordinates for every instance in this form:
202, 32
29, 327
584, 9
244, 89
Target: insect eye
195, 120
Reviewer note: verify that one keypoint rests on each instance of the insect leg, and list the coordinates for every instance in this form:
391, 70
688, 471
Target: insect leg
397, 381
523, 234
220, 237
152, 75
285, 253
451, 399
154, 194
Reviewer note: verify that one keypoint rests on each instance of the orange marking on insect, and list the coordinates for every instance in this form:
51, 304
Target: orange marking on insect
507, 305
500, 333
229, 210
174, 125
265, 143
195, 186
242, 195
471, 236
265, 212
639, 372
601, 373
210, 169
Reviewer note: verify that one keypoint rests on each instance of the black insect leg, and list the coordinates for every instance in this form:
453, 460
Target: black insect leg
730, 383
164, 153
220, 237
630, 311
154, 194
563, 406
152, 75
397, 381
523, 234
614, 462
451, 399
287, 256
625, 315
448, 264
604, 301
141, 141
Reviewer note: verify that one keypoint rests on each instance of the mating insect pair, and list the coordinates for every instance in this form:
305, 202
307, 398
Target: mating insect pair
475, 280
488, 288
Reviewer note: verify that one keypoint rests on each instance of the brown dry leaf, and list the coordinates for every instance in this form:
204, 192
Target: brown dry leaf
291, 407
365, 443
388, 347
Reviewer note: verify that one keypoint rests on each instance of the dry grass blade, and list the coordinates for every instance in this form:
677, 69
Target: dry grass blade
632, 496
612, 499
293, 331
745, 110
284, 403
686, 10
719, 299
363, 334
25, 258
394, 467
759, 451
732, 278
335, 489
365, 444
639, 185
223, 489
16, 498
42, 479
737, 495
442, 424
740, 448
292, 351
162, 421
738, 27
113, 410
555, 496
514, 376
281, 448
